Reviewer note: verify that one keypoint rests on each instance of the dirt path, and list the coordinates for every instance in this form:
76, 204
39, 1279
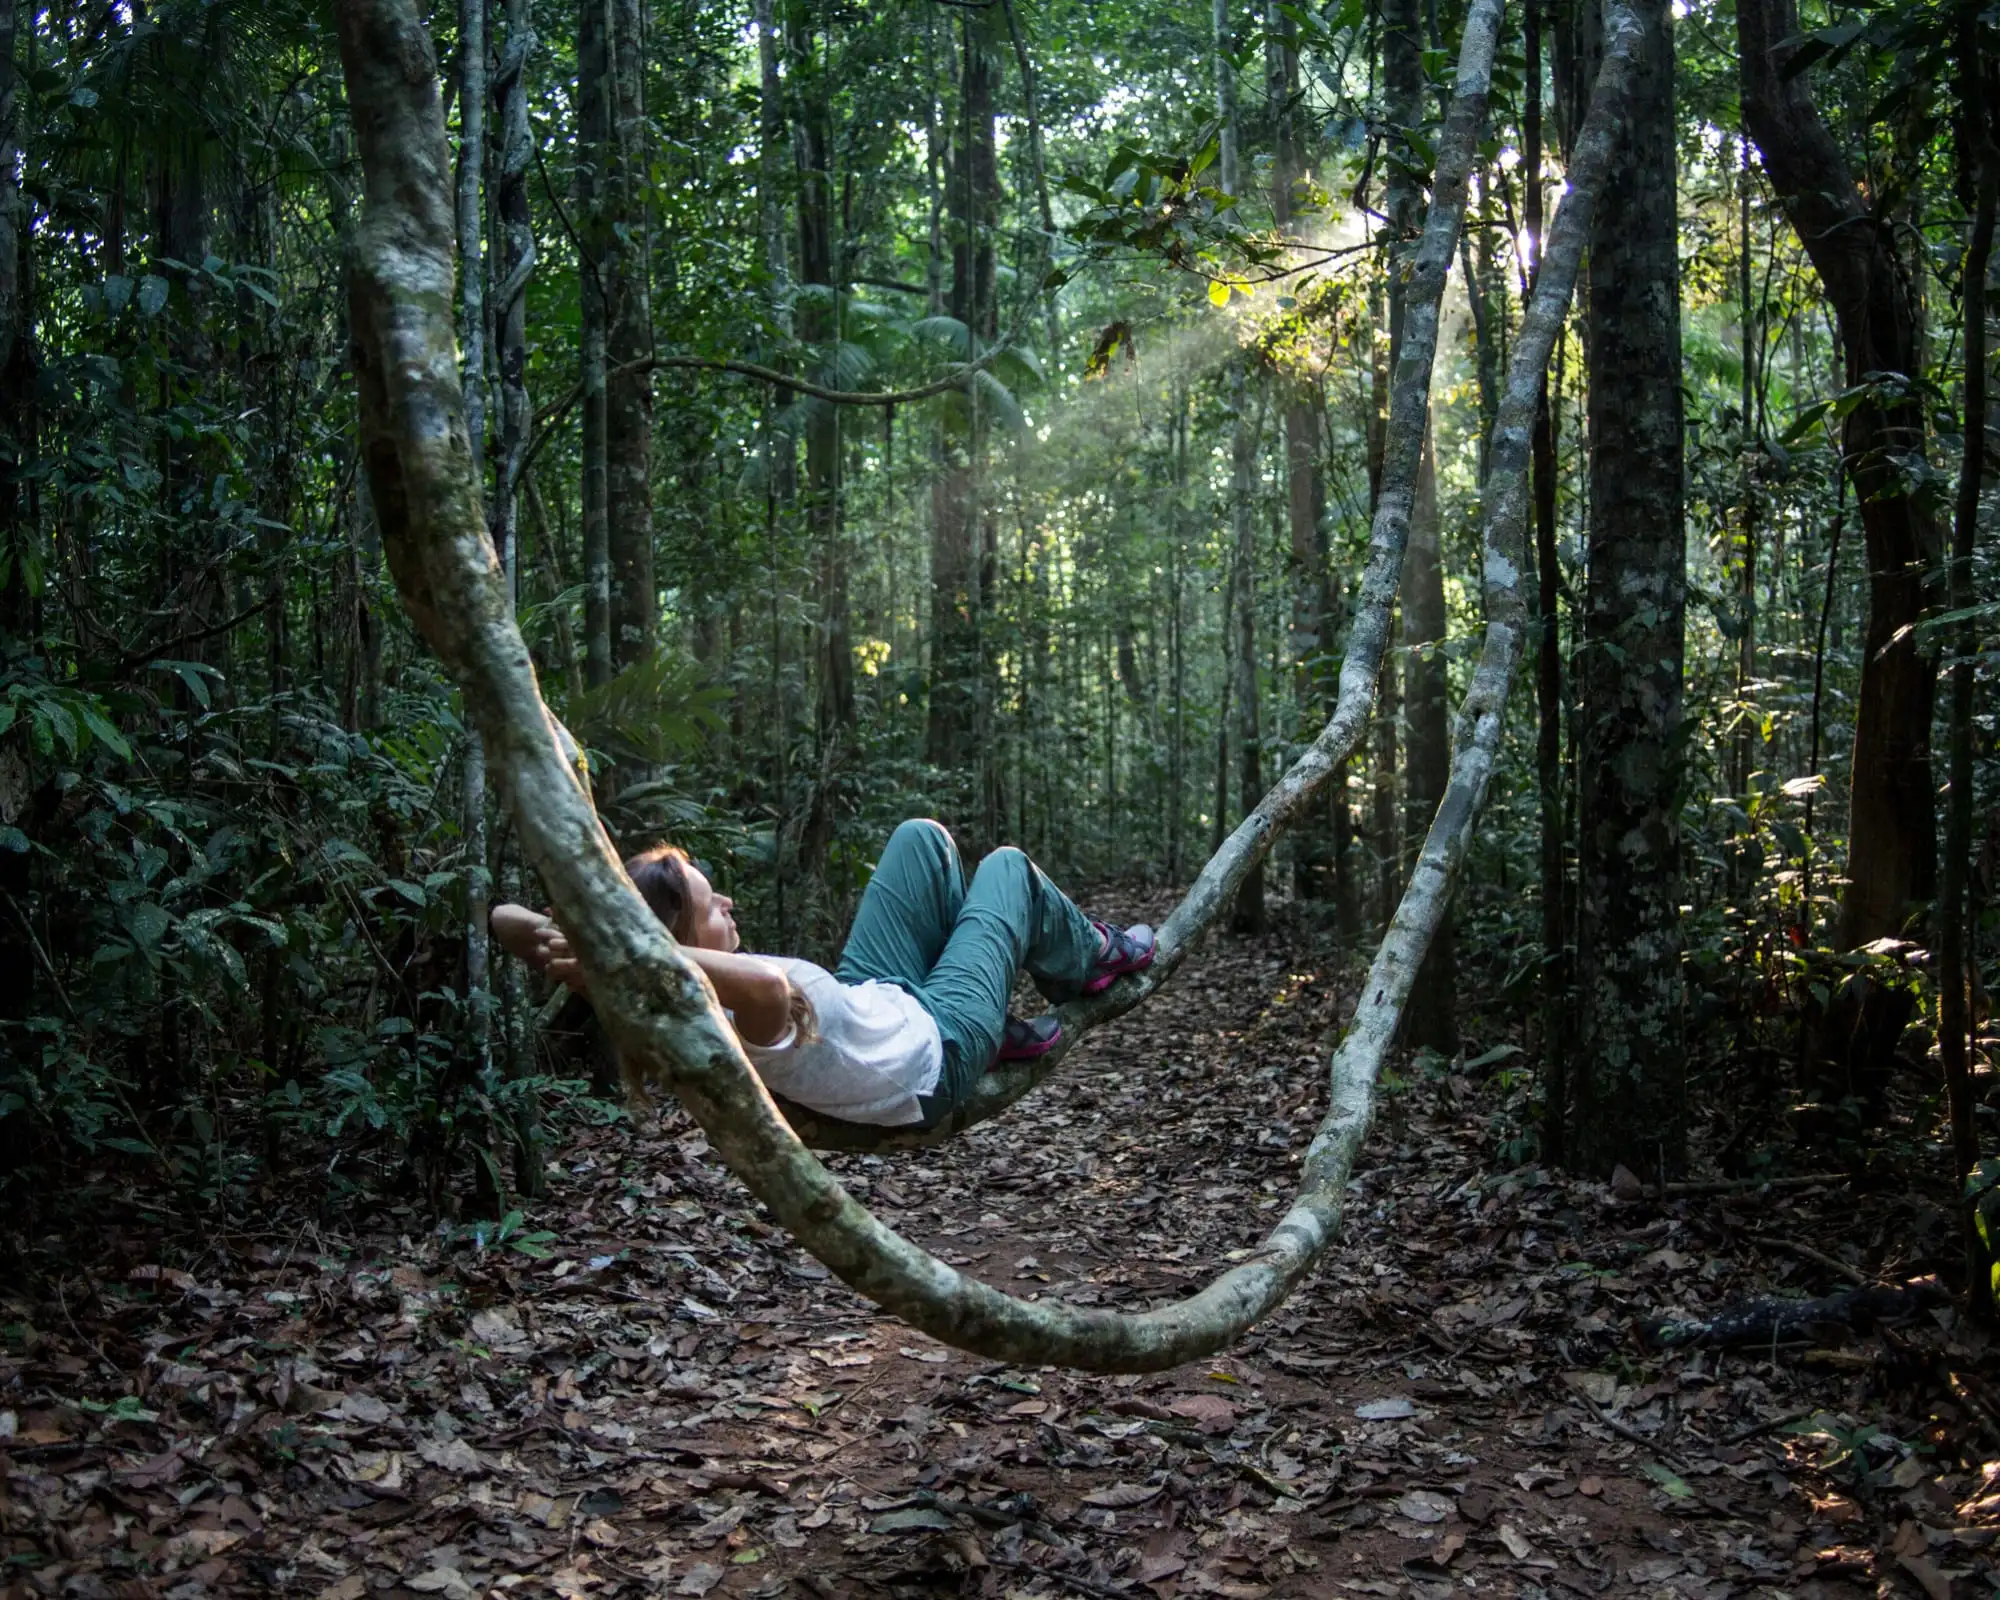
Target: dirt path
676, 1401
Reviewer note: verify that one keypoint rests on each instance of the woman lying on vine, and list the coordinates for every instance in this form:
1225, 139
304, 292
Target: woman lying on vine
899, 1033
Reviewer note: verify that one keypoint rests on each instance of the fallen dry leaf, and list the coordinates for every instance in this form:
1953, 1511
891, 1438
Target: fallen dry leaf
1118, 1496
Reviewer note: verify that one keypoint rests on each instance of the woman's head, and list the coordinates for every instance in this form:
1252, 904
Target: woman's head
681, 896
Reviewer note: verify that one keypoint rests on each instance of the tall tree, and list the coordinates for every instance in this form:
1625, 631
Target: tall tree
594, 176
1544, 478
16, 347
628, 382
1240, 612
471, 220
1630, 1103
958, 511
1305, 483
1892, 852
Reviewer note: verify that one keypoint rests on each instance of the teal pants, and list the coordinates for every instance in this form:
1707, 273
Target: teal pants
958, 950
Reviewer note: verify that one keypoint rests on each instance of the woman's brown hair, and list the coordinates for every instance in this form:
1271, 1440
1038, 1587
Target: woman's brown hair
660, 876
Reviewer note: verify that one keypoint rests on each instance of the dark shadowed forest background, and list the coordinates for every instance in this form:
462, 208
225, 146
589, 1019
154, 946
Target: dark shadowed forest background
1731, 905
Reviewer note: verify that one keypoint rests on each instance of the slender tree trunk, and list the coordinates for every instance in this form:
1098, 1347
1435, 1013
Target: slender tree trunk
628, 386
515, 230
1305, 486
1241, 615
1892, 860
820, 325
517, 234
1746, 642
1176, 623
1630, 1089
1431, 1021
770, 159
594, 179
1981, 163
472, 381
19, 552
1248, 916
365, 563
1051, 315
957, 522
1548, 662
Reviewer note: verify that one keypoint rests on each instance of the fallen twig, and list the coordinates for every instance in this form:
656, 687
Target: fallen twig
1695, 1186
1769, 1425
1832, 1263
1666, 1453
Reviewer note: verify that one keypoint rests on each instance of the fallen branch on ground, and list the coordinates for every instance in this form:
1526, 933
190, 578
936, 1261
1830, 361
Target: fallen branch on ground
1770, 1319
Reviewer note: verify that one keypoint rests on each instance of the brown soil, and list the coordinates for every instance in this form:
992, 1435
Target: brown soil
677, 1401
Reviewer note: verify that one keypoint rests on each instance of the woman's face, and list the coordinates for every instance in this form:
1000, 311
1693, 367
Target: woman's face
710, 924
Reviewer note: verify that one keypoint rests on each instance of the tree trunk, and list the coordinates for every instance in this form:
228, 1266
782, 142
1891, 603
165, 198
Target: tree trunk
1247, 916
1051, 313
472, 383
820, 325
957, 523
517, 235
1980, 165
1305, 486
594, 168
1555, 1013
1892, 860
514, 227
18, 546
1630, 1101
1431, 1021
628, 385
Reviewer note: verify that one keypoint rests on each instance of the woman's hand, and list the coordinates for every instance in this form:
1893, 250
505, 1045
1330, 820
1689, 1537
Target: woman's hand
531, 938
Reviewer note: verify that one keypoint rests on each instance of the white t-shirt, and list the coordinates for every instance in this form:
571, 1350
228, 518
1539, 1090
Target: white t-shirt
877, 1051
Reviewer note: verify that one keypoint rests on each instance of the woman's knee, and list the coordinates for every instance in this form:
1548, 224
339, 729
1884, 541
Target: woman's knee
925, 836
1007, 861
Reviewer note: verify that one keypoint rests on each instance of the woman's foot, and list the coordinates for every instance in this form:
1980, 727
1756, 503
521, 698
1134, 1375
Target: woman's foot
1027, 1038
1123, 950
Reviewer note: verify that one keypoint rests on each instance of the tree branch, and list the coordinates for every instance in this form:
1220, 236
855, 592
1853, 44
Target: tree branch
660, 1012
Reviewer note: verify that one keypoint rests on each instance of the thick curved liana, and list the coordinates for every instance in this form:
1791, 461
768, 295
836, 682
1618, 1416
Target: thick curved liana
658, 1009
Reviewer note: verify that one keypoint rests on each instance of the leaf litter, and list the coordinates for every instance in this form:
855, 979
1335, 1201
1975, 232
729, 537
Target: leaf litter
677, 1401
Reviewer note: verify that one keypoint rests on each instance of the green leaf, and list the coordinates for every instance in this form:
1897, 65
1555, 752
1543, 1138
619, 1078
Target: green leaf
108, 736
1218, 293
1486, 1058
152, 294
1675, 1485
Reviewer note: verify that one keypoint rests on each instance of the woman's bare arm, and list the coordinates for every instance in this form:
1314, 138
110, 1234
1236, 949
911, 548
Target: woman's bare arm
753, 988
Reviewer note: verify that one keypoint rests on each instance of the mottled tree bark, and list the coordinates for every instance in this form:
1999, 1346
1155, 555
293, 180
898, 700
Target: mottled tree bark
628, 384
1891, 853
1431, 1021
1629, 1090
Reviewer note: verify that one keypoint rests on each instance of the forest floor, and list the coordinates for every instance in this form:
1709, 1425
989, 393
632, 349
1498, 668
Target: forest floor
677, 1401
